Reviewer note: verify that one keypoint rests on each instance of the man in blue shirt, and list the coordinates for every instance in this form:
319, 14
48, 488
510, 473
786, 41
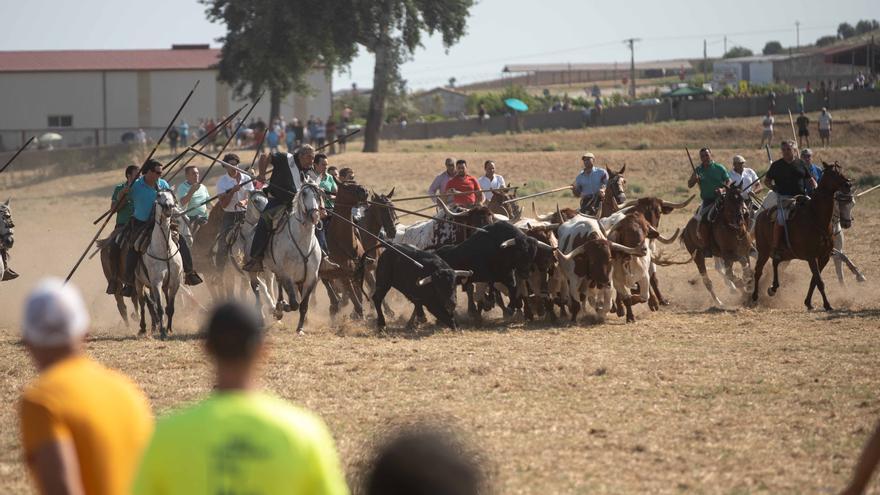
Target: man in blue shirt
815, 171
590, 185
143, 194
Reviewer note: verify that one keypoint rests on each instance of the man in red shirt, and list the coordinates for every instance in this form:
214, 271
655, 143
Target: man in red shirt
462, 182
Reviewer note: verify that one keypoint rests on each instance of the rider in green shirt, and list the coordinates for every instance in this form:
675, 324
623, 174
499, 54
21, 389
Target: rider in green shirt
123, 215
712, 177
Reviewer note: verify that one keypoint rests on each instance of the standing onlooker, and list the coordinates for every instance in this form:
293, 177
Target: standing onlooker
481, 112
800, 101
290, 136
240, 439
767, 134
83, 426
825, 127
320, 133
771, 100
343, 136
438, 185
346, 115
312, 129
298, 134
173, 136
330, 129
184, 133
803, 125
272, 139
490, 180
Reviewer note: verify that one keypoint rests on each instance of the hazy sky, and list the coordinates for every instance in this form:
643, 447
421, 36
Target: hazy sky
499, 31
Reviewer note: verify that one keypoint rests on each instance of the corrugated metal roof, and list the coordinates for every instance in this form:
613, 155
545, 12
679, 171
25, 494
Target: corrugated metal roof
108, 60
648, 65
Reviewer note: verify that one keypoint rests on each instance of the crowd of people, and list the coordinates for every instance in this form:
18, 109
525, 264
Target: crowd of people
87, 429
823, 121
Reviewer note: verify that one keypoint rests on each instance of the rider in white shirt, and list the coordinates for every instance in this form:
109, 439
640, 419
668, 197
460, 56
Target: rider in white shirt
742, 173
491, 180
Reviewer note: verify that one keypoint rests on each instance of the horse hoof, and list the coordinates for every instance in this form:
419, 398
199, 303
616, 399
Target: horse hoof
771, 291
300, 332
861, 278
163, 336
278, 315
829, 308
293, 306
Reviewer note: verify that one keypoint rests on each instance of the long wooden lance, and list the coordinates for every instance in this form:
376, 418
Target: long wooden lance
420, 209
217, 196
442, 220
459, 193
109, 213
551, 191
791, 121
25, 145
116, 207
866, 191
220, 126
691, 160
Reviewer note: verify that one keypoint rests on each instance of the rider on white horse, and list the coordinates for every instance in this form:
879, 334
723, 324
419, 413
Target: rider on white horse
143, 193
234, 188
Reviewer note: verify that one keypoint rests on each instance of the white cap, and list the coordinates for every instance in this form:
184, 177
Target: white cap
738, 159
54, 314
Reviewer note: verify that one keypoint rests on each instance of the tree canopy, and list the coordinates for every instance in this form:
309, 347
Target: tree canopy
845, 30
826, 40
738, 51
772, 48
865, 26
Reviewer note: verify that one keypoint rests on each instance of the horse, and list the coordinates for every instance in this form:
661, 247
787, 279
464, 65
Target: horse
513, 211
294, 255
161, 267
344, 248
808, 232
615, 193
6, 236
381, 221
729, 239
110, 271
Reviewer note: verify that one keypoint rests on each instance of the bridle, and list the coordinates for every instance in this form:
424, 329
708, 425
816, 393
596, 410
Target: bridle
165, 234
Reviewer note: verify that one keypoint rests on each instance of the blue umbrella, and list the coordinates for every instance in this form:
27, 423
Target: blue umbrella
516, 104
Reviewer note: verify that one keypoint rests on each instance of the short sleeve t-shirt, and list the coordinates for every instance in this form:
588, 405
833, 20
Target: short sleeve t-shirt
747, 177
788, 178
123, 215
768, 124
496, 182
240, 442
825, 121
198, 198
226, 183
144, 197
710, 179
328, 185
463, 184
101, 411
588, 184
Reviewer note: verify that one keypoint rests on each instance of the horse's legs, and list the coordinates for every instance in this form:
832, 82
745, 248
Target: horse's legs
120, 306
748, 275
332, 295
816, 266
288, 286
724, 267
759, 267
701, 267
170, 294
379, 293
156, 296
771, 291
142, 301
304, 306
356, 298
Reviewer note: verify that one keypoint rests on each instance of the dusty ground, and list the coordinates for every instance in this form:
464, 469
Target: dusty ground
690, 399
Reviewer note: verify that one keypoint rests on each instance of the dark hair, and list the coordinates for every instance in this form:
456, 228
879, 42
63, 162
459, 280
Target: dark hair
707, 150
234, 332
231, 156
461, 162
129, 169
487, 162
421, 462
151, 165
320, 156
345, 171
331, 168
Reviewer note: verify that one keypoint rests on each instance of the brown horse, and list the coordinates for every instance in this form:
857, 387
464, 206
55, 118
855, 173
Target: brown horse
381, 222
808, 231
728, 240
615, 194
345, 248
513, 211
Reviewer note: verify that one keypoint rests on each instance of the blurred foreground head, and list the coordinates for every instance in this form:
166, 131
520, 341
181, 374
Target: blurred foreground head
54, 315
234, 334
424, 461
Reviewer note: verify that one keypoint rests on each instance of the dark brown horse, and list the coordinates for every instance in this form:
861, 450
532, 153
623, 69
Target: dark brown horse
513, 211
615, 193
381, 222
808, 231
345, 248
728, 240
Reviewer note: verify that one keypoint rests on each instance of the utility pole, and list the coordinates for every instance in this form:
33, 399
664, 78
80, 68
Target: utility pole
632, 66
705, 63
797, 26
725, 43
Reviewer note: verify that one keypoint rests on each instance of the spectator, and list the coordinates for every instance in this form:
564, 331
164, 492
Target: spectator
298, 134
860, 81
346, 114
465, 183
83, 426
240, 440
424, 462
343, 133
481, 112
803, 125
330, 129
320, 133
490, 180
800, 101
767, 134
311, 129
184, 133
771, 100
272, 139
173, 136
825, 127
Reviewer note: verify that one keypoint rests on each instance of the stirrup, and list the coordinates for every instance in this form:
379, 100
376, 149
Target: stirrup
253, 265
192, 278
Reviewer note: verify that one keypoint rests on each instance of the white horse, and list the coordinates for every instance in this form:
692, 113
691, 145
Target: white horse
6, 233
294, 255
161, 267
235, 251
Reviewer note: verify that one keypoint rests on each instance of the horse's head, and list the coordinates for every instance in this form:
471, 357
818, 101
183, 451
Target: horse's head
513, 210
166, 204
6, 225
257, 201
351, 193
833, 180
308, 202
385, 217
735, 206
617, 185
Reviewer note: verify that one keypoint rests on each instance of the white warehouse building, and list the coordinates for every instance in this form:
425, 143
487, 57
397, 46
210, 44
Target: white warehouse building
96, 96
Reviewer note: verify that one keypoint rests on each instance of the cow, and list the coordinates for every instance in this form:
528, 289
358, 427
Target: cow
435, 233
542, 280
634, 231
496, 255
432, 286
585, 260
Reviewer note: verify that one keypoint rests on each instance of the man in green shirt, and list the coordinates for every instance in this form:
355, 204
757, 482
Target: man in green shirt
123, 215
239, 440
712, 177
327, 183
192, 196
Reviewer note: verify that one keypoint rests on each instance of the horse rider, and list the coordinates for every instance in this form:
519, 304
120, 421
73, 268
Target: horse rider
193, 196
788, 177
289, 171
815, 171
744, 176
464, 183
712, 177
234, 189
143, 194
438, 185
590, 184
490, 180
326, 183
123, 215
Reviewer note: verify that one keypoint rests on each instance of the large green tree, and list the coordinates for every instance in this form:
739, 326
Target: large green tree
272, 45
772, 48
738, 51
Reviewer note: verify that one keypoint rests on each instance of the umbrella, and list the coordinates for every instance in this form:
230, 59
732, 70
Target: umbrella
516, 104
50, 137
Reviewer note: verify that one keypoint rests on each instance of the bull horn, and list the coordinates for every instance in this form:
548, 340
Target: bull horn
391, 193
633, 251
424, 281
675, 206
602, 228
574, 252
464, 273
628, 203
508, 243
448, 211
542, 243
660, 238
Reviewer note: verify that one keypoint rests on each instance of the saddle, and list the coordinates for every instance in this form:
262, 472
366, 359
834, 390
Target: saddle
789, 206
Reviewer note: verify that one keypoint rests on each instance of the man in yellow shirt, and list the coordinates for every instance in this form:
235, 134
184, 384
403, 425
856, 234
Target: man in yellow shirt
83, 426
239, 440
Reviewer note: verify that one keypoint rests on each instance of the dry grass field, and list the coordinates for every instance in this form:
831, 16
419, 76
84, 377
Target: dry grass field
691, 399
